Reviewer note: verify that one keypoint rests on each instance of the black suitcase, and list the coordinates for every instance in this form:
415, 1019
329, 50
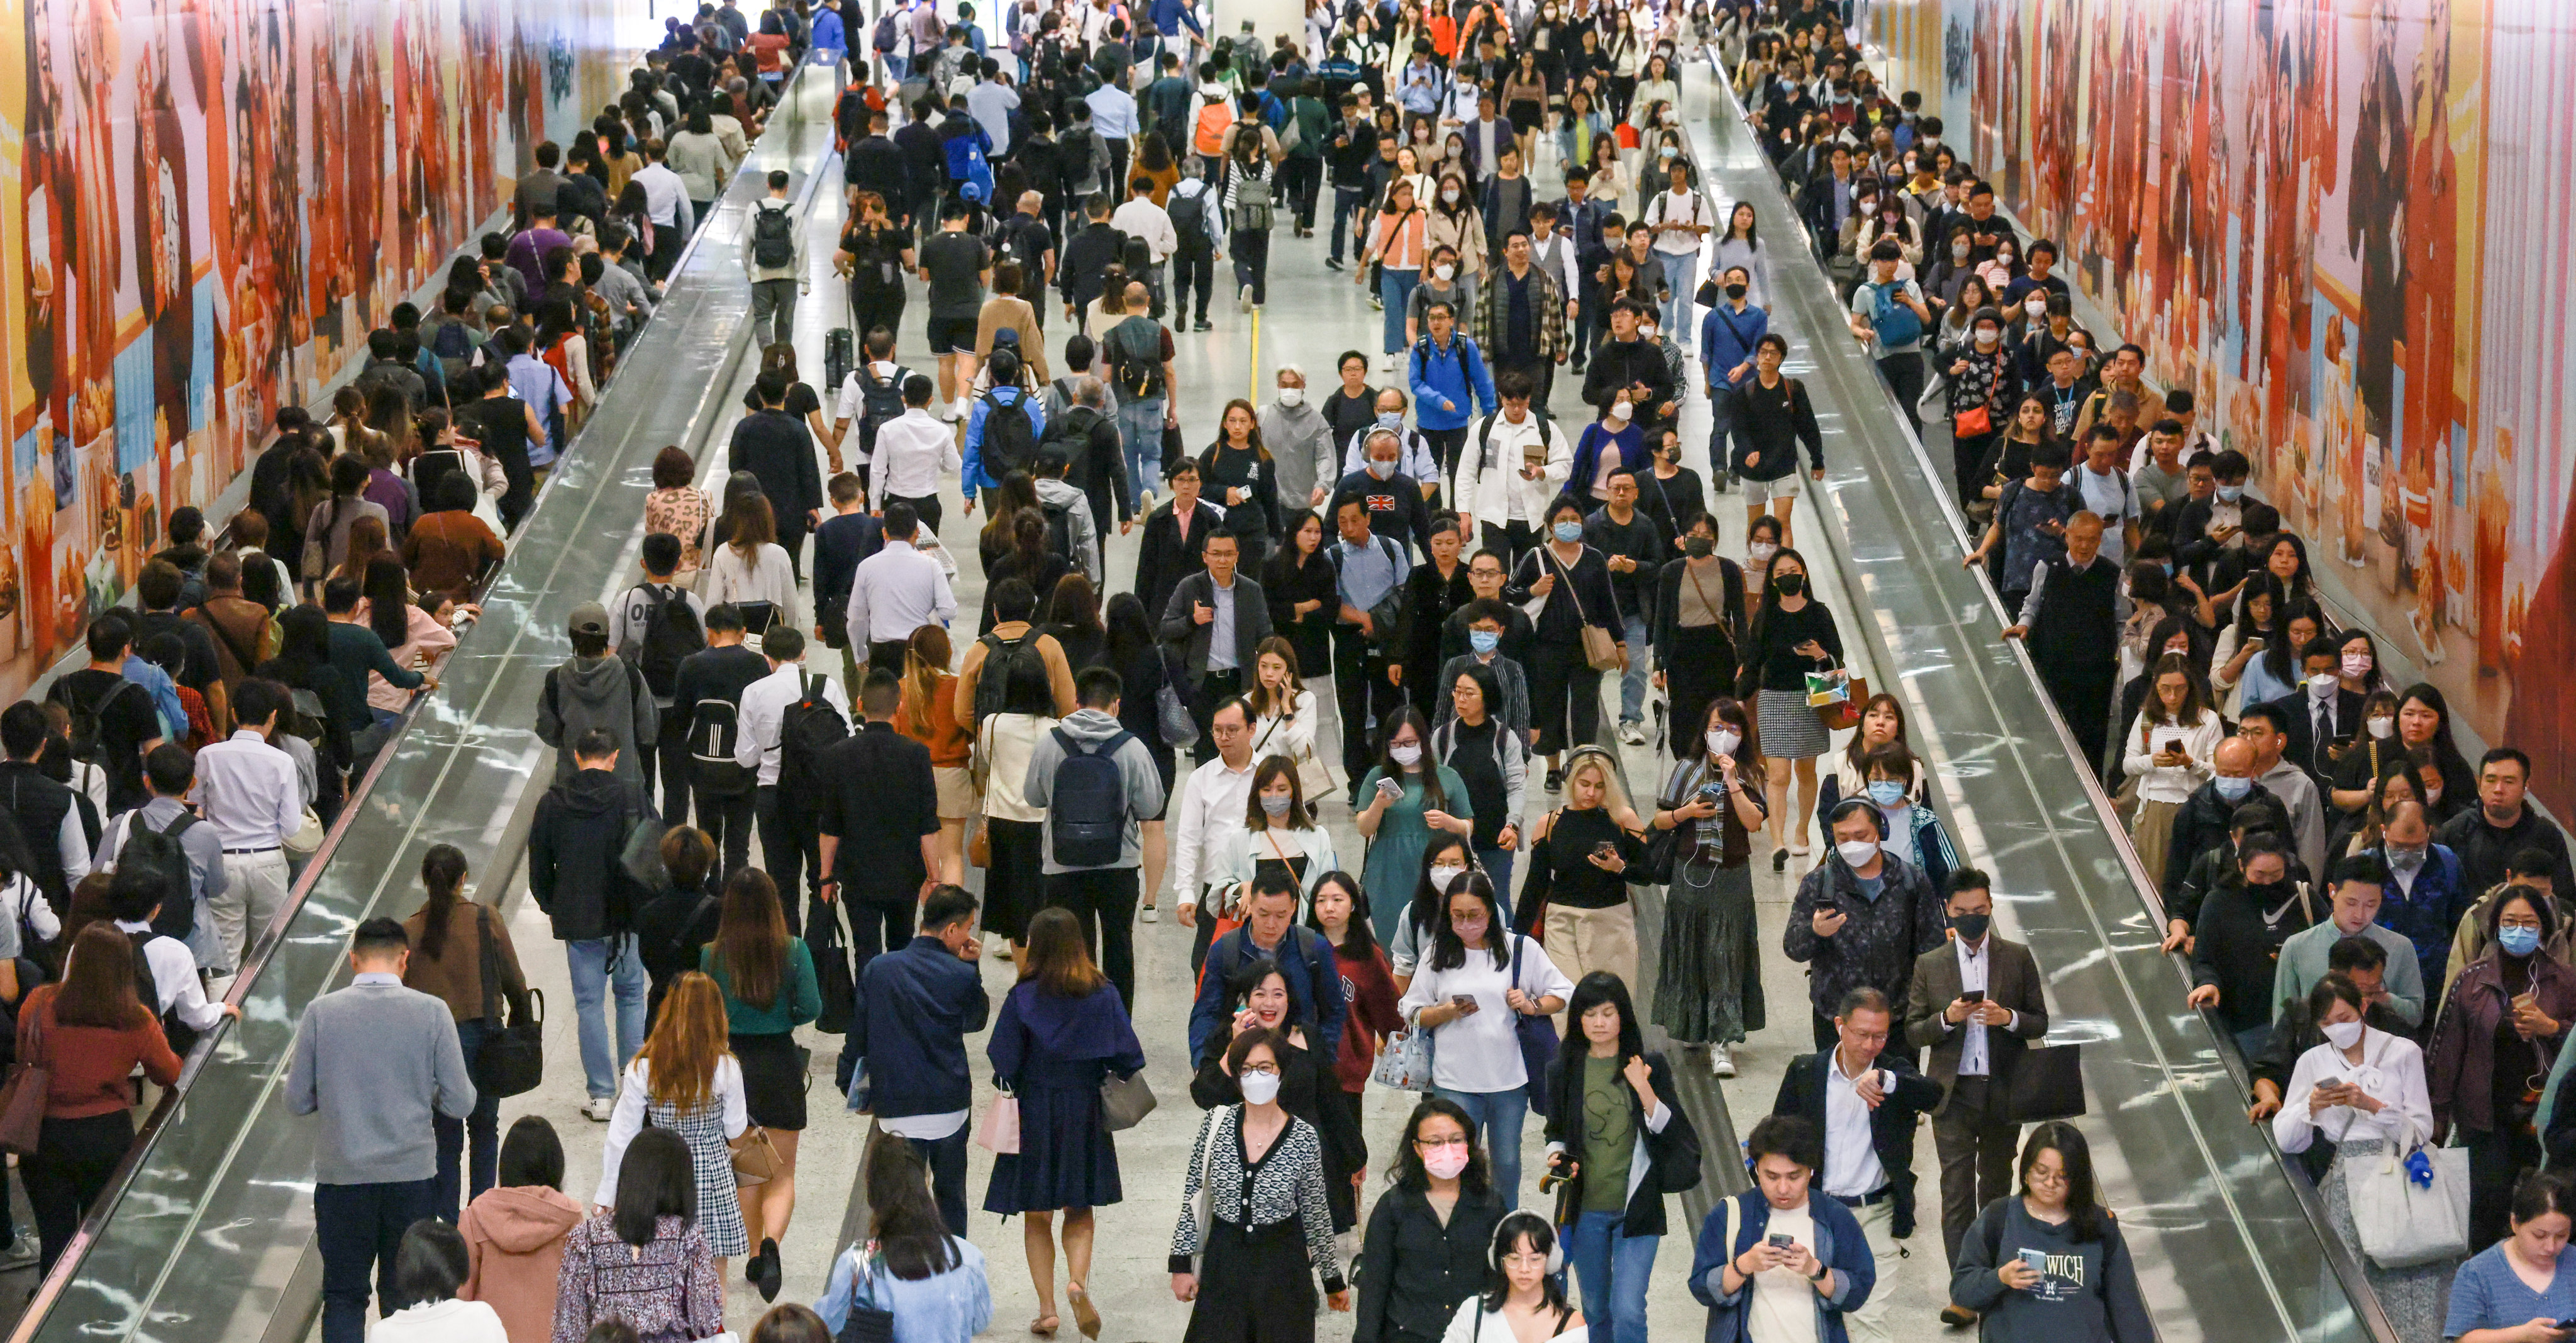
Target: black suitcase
839, 357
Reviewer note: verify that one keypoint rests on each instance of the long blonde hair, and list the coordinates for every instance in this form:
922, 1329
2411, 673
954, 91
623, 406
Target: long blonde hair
688, 1041
925, 660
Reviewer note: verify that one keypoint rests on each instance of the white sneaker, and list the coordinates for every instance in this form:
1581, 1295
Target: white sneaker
1633, 733
1243, 301
1151, 915
598, 1109
25, 1250
1720, 1062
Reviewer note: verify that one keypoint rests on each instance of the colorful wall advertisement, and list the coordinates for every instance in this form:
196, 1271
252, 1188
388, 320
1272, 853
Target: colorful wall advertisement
205, 205
2338, 225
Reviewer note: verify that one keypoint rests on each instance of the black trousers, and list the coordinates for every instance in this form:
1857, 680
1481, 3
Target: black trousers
1350, 219
357, 1227
1511, 540
1904, 374
521, 493
1361, 689
1117, 170
871, 308
1216, 688
1565, 698
878, 925
2082, 694
1967, 456
1103, 901
669, 761
1302, 177
946, 1160
1252, 261
926, 507
1192, 266
2496, 1160
792, 527
1446, 444
787, 851
1541, 373
727, 818
886, 653
73, 1162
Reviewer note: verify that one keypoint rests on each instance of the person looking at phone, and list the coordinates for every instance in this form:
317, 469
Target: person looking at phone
2361, 1091
1861, 918
1579, 860
2051, 1265
2029, 523
2170, 750
1470, 993
2503, 1020
1781, 1263
2521, 1289
1405, 798
1617, 1136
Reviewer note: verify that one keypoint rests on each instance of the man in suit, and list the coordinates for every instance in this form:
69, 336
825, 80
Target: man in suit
1175, 536
1975, 1003
2323, 715
1866, 1106
876, 828
1215, 620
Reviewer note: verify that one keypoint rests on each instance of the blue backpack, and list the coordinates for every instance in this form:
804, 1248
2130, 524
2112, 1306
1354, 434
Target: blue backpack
1087, 807
968, 161
1895, 323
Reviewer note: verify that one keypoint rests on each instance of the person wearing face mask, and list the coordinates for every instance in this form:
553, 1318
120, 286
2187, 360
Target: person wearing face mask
2294, 1033
1474, 982
2238, 960
1569, 583
1728, 339
1427, 1238
1250, 1270
1303, 451
1618, 1139
1984, 386
2071, 620
1698, 627
2203, 823
1708, 977
1416, 459
1477, 739
2424, 896
1258, 998
1861, 918
2360, 886
1773, 417
2532, 869
2501, 1026
2324, 716
1893, 778
1626, 364
2362, 1091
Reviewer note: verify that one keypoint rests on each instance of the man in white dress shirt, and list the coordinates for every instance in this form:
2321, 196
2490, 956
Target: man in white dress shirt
912, 452
253, 797
898, 590
666, 204
1140, 217
787, 836
1208, 814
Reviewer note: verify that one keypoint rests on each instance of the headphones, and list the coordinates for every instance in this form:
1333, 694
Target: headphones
1852, 804
1507, 1232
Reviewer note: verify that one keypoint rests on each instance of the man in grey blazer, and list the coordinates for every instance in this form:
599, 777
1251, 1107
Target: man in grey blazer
1214, 624
1975, 1004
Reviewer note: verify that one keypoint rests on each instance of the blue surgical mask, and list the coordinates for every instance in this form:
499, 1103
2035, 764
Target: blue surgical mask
2231, 493
1484, 641
1886, 792
2518, 941
2232, 788
1568, 532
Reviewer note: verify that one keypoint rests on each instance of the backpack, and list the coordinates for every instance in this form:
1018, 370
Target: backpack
993, 686
1207, 134
839, 355
1087, 807
88, 740
885, 36
713, 730
773, 238
1010, 439
158, 853
1074, 153
147, 990
1189, 219
1894, 323
880, 400
1072, 432
1059, 520
1251, 208
671, 632
810, 727
964, 156
1139, 374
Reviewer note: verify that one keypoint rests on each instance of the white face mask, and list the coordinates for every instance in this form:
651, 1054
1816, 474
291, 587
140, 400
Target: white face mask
1444, 873
1987, 335
2383, 728
1448, 195
1760, 552
2344, 1034
2037, 307
1260, 1088
1407, 755
1723, 742
1958, 251
1619, 411
1857, 852
2321, 685
1445, 272
1292, 397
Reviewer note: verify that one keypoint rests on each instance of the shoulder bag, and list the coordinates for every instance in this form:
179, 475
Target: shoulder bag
22, 1099
1314, 778
2410, 1203
755, 1158
1600, 647
1125, 1101
1537, 1034
867, 1322
511, 1061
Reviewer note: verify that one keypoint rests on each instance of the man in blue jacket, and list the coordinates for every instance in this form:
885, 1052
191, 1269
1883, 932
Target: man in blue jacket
908, 1028
1826, 1249
1305, 961
1449, 381
1727, 339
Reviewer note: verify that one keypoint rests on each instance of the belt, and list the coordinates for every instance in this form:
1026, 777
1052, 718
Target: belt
235, 853
1879, 1195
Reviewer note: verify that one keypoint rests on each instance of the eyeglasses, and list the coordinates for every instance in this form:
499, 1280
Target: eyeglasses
1265, 1069
2037, 1175
1430, 1143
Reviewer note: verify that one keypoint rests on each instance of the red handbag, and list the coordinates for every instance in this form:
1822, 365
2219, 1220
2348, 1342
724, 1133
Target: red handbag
1974, 422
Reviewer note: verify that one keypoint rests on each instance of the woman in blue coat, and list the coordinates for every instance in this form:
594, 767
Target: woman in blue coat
1826, 1267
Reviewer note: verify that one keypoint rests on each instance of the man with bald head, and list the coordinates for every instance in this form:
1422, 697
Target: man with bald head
2202, 823
2425, 893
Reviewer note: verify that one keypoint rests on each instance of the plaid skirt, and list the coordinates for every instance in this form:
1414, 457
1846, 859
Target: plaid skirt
1790, 730
711, 1156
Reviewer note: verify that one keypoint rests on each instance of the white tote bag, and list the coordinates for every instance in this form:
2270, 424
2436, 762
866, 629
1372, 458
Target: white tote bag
2402, 1223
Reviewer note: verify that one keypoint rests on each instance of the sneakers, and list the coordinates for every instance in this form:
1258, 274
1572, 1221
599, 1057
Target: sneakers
1243, 300
599, 1108
1204, 325
1151, 915
1632, 733
1720, 1062
1556, 781
25, 1250
1376, 304
1332, 263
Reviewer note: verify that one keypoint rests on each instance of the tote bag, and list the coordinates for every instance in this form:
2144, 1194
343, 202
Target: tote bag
1405, 1062
2403, 1220
1000, 1131
1600, 648
1537, 1038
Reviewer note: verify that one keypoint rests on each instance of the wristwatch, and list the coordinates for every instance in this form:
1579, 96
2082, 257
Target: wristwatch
1822, 1272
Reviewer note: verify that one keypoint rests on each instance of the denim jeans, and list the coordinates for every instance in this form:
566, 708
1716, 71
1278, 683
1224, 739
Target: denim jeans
1632, 682
1350, 204
1498, 865
1613, 1271
1498, 1116
457, 1184
1395, 289
592, 978
357, 1227
1681, 275
1140, 431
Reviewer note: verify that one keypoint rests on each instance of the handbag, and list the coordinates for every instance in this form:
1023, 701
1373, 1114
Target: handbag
1172, 715
1000, 1131
2047, 1083
1836, 696
867, 1322
22, 1099
2410, 1211
1600, 647
307, 839
1125, 1101
1405, 1062
1314, 778
1974, 422
1537, 1034
832, 980
512, 1058
755, 1158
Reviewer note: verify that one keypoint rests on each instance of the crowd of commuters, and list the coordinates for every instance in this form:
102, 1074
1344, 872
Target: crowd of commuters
1483, 567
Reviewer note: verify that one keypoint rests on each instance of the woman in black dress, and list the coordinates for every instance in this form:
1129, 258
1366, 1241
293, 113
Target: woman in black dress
1432, 593
1248, 1259
1699, 620
1061, 1032
1302, 590
1236, 474
1258, 997
1574, 580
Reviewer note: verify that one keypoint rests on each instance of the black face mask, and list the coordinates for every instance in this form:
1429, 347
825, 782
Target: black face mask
1971, 927
1735, 291
1790, 585
1698, 547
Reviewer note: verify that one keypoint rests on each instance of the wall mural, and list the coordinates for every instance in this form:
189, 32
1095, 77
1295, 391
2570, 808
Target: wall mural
205, 205
2337, 224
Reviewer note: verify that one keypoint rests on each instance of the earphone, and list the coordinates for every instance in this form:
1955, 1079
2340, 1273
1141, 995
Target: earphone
1851, 804
1508, 1232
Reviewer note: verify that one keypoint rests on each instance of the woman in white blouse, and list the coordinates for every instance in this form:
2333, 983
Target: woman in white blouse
1470, 992
751, 567
1283, 710
1278, 833
2168, 752
1524, 1296
2363, 1090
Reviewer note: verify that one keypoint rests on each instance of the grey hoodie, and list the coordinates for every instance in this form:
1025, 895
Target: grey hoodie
1088, 728
601, 692
1077, 507
1301, 447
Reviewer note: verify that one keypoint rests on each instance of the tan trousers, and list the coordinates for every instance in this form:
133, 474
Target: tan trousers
1580, 941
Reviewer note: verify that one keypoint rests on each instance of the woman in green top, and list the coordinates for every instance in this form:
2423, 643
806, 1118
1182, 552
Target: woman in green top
769, 990
1409, 796
1617, 1136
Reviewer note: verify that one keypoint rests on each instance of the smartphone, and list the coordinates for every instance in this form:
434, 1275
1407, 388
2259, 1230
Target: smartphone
1782, 1242
1605, 849
1463, 1002
1972, 995
1713, 790
2169, 745
1390, 787
2036, 1261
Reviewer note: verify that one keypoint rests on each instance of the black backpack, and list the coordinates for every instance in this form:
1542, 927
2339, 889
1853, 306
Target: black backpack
1189, 219
88, 738
773, 237
1139, 375
713, 730
884, 38
1059, 520
671, 632
993, 684
1071, 431
159, 855
810, 727
1010, 438
1087, 807
880, 401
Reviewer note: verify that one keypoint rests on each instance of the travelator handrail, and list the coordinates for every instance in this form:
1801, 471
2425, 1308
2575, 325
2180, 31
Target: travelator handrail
294, 1314
2339, 1258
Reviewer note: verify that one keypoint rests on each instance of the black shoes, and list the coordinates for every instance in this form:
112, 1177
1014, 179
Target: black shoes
763, 1270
